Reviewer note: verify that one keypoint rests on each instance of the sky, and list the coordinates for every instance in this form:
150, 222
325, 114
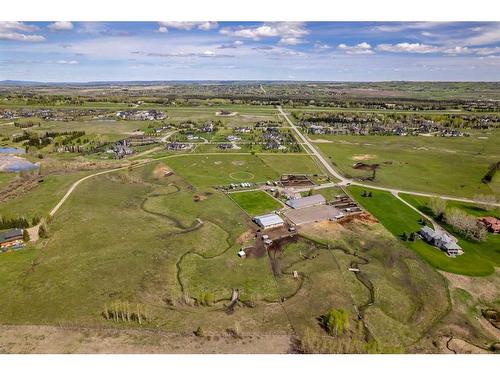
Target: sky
304, 51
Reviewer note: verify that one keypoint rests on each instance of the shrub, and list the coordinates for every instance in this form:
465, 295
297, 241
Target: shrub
335, 321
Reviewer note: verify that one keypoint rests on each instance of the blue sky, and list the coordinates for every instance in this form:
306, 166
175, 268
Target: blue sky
327, 51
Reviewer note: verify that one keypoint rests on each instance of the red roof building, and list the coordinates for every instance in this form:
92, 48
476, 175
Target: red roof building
491, 223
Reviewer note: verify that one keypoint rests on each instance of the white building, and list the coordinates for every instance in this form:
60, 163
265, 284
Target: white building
269, 221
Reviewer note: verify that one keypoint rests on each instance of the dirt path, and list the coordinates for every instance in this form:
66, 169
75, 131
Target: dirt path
62, 340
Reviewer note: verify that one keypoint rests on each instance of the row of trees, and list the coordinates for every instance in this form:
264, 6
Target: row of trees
460, 220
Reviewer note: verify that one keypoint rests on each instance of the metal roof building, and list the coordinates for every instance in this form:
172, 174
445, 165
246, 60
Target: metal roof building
312, 200
269, 221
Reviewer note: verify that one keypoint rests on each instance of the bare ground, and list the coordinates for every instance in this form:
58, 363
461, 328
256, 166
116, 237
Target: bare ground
61, 340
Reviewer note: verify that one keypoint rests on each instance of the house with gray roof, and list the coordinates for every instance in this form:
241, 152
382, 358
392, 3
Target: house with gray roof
441, 240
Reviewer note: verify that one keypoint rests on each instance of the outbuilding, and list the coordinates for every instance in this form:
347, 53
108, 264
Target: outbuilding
269, 221
312, 200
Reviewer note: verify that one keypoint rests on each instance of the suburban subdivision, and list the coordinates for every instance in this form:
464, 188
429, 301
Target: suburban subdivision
226, 218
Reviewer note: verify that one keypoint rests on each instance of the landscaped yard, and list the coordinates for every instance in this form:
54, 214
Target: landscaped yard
255, 202
479, 259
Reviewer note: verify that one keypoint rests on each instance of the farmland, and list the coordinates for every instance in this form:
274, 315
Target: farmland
418, 163
153, 246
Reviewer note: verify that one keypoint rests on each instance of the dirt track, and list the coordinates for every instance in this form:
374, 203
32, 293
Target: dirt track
61, 340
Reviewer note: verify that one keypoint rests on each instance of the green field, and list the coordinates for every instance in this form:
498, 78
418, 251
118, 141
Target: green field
419, 163
255, 202
478, 259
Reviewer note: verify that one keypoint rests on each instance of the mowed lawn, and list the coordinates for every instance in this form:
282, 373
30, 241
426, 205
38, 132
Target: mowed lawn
448, 166
255, 202
479, 259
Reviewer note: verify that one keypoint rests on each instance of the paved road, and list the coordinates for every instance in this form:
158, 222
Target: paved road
345, 181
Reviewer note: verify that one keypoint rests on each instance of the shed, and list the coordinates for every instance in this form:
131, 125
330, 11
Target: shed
269, 221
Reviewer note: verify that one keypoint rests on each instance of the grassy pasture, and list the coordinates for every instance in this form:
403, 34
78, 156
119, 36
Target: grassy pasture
477, 260
429, 164
255, 202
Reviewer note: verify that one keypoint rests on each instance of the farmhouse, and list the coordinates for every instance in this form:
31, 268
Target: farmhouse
312, 200
441, 240
269, 221
12, 238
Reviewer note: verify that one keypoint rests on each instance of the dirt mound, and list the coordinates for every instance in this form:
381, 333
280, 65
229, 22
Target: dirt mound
363, 157
161, 170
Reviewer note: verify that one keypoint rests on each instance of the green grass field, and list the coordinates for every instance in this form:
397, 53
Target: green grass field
478, 259
419, 163
255, 202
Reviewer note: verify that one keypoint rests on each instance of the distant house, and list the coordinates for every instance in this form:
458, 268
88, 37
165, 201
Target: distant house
176, 146
12, 238
269, 221
492, 224
312, 200
208, 127
442, 241
225, 146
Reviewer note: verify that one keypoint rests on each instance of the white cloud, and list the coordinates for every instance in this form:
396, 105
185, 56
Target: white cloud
165, 25
398, 27
288, 32
60, 26
16, 31
235, 44
68, 62
485, 36
408, 48
21, 37
18, 26
359, 49
290, 41
321, 46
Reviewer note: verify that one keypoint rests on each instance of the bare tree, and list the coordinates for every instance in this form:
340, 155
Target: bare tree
489, 201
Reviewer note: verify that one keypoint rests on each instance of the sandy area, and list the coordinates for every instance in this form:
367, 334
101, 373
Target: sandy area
485, 288
52, 339
363, 157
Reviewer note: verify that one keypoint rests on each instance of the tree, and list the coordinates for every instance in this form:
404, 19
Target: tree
465, 224
335, 321
26, 236
42, 231
412, 237
199, 332
438, 207
404, 236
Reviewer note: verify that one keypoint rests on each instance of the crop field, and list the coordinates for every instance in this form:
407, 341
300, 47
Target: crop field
419, 163
478, 259
255, 202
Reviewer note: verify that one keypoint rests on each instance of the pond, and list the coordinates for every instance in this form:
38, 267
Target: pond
11, 163
11, 150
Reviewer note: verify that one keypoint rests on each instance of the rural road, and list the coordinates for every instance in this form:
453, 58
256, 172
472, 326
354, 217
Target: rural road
310, 150
345, 181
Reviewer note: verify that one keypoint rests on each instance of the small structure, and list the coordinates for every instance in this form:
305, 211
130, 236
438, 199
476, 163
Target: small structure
12, 238
442, 241
269, 221
312, 200
492, 224
242, 254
